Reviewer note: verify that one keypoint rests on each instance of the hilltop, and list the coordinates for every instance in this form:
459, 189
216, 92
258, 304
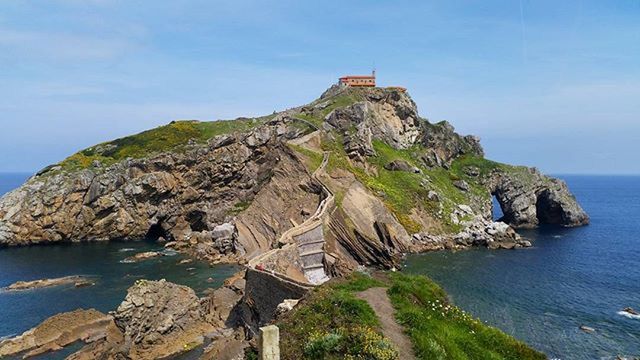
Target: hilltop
431, 186
304, 197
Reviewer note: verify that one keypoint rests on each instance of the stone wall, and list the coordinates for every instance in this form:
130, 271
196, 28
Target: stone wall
263, 293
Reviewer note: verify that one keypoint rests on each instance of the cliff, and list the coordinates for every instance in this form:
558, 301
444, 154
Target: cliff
228, 190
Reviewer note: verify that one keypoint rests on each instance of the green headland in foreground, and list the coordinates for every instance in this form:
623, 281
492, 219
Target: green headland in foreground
333, 323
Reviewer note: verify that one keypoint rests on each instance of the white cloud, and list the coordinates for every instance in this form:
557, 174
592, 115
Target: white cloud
61, 46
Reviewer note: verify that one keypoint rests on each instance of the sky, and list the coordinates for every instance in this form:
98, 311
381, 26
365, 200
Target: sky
551, 84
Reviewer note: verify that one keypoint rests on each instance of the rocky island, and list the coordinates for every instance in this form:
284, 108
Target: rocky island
355, 178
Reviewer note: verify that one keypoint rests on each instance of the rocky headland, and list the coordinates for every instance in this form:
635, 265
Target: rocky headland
355, 178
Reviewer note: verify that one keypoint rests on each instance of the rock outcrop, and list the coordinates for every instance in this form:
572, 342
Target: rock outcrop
529, 198
76, 280
61, 330
444, 145
156, 320
155, 313
179, 196
229, 197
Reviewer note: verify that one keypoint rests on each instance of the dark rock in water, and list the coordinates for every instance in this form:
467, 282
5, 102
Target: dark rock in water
630, 311
143, 256
37, 284
83, 283
587, 329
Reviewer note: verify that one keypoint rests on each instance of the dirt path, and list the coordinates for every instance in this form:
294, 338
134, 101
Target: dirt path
379, 302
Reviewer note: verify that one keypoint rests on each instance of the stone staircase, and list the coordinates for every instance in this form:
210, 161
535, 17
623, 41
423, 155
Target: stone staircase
308, 237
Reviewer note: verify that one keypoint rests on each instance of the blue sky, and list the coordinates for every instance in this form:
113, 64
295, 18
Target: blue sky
552, 84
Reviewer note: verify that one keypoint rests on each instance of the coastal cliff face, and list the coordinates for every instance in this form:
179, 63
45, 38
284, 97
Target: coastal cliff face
227, 190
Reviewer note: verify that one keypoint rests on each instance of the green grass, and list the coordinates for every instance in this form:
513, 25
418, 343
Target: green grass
312, 159
403, 191
348, 98
333, 324
440, 330
164, 138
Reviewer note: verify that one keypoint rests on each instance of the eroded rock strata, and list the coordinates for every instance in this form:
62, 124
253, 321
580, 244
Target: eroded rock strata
230, 196
354, 178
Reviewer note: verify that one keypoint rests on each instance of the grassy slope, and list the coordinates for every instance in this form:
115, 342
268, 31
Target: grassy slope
440, 330
404, 191
164, 138
323, 325
333, 324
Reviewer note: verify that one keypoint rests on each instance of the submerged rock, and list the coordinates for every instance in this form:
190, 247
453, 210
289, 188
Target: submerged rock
143, 256
587, 329
77, 280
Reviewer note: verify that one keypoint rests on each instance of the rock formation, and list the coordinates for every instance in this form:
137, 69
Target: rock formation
529, 198
354, 178
156, 320
400, 182
76, 280
61, 330
159, 317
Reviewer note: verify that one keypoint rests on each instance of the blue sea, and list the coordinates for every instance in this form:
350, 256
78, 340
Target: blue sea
540, 295
569, 278
19, 311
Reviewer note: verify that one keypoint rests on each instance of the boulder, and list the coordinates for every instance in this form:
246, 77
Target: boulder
153, 310
399, 165
461, 184
224, 237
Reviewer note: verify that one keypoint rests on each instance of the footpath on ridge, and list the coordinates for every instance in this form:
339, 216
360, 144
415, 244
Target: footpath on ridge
378, 299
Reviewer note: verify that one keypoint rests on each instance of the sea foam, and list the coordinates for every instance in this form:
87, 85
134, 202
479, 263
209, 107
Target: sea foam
629, 315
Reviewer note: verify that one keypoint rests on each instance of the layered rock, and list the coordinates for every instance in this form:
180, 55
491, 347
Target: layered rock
155, 310
76, 280
156, 320
61, 330
529, 198
231, 198
175, 196
444, 145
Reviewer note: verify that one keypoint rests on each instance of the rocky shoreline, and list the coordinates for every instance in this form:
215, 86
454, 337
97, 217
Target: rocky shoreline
157, 319
356, 178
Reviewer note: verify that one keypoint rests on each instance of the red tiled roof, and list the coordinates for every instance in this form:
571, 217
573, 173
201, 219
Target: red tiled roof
358, 77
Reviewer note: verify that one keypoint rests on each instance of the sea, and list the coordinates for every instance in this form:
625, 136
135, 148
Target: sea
571, 277
103, 262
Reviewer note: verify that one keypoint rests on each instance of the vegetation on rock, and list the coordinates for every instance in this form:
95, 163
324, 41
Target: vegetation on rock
164, 138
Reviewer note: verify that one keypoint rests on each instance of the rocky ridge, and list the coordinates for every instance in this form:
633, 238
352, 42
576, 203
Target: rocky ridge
355, 178
231, 196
